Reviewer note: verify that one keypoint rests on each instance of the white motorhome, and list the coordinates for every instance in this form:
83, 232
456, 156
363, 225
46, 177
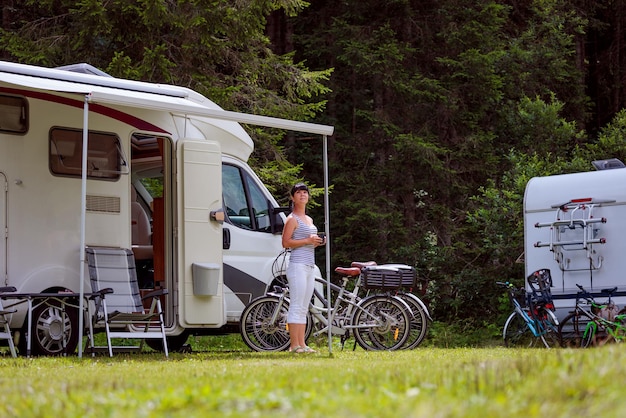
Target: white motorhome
574, 225
166, 176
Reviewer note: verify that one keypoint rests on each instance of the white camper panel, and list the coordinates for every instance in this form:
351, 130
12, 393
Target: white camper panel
44, 209
583, 242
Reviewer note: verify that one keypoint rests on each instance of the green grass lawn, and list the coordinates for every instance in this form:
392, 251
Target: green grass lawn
222, 378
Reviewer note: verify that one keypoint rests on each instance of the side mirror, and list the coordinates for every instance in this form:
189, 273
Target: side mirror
277, 223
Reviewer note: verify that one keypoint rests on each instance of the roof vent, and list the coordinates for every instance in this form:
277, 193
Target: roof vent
608, 164
83, 69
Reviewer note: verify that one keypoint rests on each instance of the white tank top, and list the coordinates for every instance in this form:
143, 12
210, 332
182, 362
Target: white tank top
306, 253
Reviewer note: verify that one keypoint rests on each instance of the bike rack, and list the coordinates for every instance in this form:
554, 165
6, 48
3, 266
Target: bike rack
570, 216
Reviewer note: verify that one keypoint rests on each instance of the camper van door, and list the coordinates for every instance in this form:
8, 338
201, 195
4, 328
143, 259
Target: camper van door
201, 295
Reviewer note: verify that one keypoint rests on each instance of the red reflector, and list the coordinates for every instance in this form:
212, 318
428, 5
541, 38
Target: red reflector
583, 200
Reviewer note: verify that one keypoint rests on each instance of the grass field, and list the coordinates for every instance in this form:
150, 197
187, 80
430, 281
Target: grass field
222, 378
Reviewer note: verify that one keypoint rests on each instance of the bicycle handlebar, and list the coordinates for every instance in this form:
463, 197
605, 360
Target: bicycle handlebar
585, 294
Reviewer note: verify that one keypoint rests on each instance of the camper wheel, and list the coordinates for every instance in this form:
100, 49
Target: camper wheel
54, 332
174, 342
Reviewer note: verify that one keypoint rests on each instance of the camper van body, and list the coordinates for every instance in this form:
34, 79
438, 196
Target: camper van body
164, 152
574, 225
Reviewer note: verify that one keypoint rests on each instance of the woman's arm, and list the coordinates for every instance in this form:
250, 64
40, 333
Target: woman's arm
289, 242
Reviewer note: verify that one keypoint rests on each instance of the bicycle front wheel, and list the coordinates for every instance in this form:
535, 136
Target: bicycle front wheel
264, 324
381, 323
516, 332
419, 321
550, 325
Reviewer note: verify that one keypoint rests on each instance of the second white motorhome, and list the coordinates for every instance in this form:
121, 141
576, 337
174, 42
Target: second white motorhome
574, 225
166, 176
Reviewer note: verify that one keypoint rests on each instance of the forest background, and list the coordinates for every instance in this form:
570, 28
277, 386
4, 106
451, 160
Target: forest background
443, 110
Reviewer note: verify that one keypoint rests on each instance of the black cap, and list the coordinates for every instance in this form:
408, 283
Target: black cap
298, 186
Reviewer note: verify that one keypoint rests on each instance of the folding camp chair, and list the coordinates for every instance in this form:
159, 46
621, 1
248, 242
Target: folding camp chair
5, 318
118, 304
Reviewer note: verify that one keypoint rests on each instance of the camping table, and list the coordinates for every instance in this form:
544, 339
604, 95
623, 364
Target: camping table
37, 299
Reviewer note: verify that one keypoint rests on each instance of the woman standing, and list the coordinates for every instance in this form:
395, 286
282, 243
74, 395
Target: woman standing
300, 235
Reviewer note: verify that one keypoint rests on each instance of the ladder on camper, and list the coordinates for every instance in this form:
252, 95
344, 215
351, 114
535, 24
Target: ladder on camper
575, 228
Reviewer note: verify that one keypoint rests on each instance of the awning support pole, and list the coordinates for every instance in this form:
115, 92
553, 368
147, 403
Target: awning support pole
83, 211
327, 230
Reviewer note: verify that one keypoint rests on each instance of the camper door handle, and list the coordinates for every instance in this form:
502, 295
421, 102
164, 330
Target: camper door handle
217, 215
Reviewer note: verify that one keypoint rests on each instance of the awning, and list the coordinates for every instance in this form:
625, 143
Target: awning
156, 97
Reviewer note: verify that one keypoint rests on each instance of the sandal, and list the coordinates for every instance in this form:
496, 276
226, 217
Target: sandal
308, 349
297, 350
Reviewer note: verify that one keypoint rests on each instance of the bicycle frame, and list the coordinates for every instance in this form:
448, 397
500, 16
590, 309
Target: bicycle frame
613, 328
350, 300
534, 324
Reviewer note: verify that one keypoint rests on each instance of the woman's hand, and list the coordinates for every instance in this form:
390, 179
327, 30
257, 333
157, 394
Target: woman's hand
316, 240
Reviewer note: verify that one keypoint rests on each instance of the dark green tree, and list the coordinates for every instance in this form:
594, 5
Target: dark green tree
216, 47
430, 99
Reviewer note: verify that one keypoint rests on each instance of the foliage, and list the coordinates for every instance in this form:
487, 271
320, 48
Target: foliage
495, 223
217, 48
444, 110
465, 333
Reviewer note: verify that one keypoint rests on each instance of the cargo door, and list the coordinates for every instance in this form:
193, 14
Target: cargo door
201, 285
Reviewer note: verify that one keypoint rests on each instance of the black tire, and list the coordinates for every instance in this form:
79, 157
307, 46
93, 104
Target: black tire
53, 333
381, 323
572, 330
419, 321
174, 342
258, 330
517, 334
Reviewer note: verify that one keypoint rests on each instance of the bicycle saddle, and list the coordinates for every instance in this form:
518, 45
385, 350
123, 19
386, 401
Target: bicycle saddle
609, 291
348, 271
362, 264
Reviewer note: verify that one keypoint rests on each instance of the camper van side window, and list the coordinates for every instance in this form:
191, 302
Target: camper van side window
104, 156
13, 114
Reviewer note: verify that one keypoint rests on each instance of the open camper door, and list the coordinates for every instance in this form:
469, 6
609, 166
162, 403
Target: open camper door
201, 295
3, 228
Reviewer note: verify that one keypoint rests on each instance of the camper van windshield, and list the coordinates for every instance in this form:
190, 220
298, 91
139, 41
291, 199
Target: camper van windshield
244, 201
104, 158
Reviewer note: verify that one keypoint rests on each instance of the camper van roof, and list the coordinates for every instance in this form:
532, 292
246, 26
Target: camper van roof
88, 78
115, 91
548, 192
84, 68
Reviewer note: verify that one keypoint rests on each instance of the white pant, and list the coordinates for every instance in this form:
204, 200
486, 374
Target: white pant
301, 278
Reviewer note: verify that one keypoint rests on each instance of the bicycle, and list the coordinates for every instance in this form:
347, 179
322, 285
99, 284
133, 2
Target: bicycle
378, 322
599, 324
399, 280
533, 317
